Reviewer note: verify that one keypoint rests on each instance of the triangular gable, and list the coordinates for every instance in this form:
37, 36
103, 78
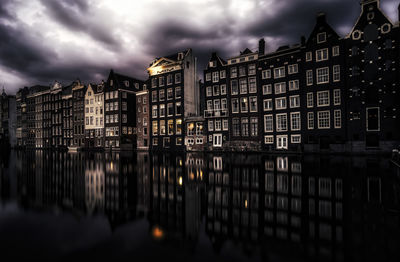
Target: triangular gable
162, 62
322, 26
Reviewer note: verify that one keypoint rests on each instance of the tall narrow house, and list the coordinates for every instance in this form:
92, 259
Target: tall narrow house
216, 113
78, 112
120, 111
174, 95
94, 116
323, 89
372, 48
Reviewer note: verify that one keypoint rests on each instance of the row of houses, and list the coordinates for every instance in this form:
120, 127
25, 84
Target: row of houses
326, 93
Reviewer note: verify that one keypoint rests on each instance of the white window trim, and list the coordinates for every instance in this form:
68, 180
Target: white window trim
290, 102
268, 109
291, 122
329, 114
323, 105
336, 48
333, 73
334, 97
322, 68
295, 142
319, 42
334, 118
283, 130
323, 50
312, 78
312, 100
268, 142
308, 120
265, 130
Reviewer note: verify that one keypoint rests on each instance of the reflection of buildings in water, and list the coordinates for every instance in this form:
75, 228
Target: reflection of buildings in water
176, 194
143, 182
94, 190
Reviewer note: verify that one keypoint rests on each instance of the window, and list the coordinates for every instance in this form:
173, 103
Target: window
155, 141
294, 101
169, 79
161, 81
252, 69
233, 72
178, 109
295, 121
235, 87
223, 89
177, 78
170, 94
225, 124
210, 125
161, 95
154, 96
235, 105
218, 125
279, 72
321, 55
310, 120
280, 103
215, 77
295, 139
323, 75
373, 119
293, 85
162, 110
245, 126
310, 100
154, 82
236, 126
217, 104
224, 104
310, 78
308, 56
155, 127
267, 89
252, 85
208, 77
154, 111
293, 69
244, 105
335, 50
321, 37
266, 74
124, 118
280, 88
209, 91
269, 139
253, 104
337, 119
267, 105
222, 74
242, 71
268, 123
170, 109
178, 92
253, 126
336, 97
281, 122
336, 73
178, 126
323, 98
243, 85
216, 90
324, 119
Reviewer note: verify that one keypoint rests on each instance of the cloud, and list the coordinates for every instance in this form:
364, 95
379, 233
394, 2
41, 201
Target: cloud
46, 40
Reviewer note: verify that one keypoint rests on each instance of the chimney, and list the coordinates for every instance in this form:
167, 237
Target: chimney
261, 47
303, 40
321, 17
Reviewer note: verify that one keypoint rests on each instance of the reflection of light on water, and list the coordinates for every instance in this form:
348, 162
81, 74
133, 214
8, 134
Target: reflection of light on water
191, 176
180, 181
180, 162
157, 233
112, 166
245, 203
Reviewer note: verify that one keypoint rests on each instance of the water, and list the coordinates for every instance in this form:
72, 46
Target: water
200, 207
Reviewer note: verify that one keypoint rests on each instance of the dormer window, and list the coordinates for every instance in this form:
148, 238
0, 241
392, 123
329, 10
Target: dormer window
126, 82
180, 56
213, 64
321, 38
136, 85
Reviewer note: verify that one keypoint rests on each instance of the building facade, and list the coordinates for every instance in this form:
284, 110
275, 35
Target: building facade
120, 111
372, 70
67, 117
78, 100
143, 119
174, 95
216, 112
94, 116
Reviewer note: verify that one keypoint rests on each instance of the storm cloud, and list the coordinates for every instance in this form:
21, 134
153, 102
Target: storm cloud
47, 40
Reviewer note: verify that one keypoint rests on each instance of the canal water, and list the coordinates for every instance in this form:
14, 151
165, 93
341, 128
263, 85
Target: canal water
198, 207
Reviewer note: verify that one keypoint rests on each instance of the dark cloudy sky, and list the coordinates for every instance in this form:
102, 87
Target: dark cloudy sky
46, 40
